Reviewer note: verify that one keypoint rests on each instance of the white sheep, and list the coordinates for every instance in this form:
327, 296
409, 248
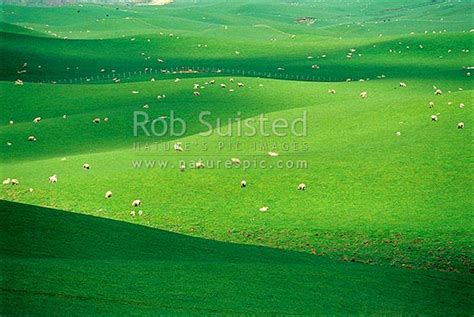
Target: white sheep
140, 212
223, 86
37, 120
132, 213
86, 166
240, 85
200, 164
438, 92
332, 91
273, 154
398, 133
264, 209
302, 186
15, 182
32, 138
108, 194
197, 94
364, 95
431, 104
136, 203
461, 105
235, 161
403, 85
243, 184
182, 167
178, 147
461, 125
434, 118
6, 181
53, 179
96, 120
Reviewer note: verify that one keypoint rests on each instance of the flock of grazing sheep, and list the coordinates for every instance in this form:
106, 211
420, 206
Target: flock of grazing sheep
197, 88
178, 146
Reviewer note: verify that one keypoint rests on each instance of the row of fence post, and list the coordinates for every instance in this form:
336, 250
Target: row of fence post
203, 70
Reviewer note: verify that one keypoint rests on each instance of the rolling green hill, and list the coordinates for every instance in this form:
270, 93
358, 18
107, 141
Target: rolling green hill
359, 206
131, 269
80, 41
387, 186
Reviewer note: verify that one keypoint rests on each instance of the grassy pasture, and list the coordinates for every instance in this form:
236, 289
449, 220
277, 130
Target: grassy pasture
398, 206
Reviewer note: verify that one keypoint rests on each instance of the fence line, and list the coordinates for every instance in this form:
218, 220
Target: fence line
192, 70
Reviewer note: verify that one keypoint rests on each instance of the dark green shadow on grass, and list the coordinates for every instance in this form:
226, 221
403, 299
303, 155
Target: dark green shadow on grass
62, 263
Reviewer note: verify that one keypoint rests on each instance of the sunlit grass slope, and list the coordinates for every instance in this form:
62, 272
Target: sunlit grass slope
372, 196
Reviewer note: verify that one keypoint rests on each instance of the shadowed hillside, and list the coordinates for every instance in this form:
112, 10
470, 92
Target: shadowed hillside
137, 270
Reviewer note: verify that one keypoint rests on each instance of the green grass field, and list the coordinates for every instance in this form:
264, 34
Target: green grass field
399, 206
131, 269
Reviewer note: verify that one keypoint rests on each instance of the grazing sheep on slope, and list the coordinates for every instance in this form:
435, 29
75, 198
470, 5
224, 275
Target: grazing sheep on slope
461, 125
302, 186
235, 161
53, 179
136, 203
108, 194
199, 164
